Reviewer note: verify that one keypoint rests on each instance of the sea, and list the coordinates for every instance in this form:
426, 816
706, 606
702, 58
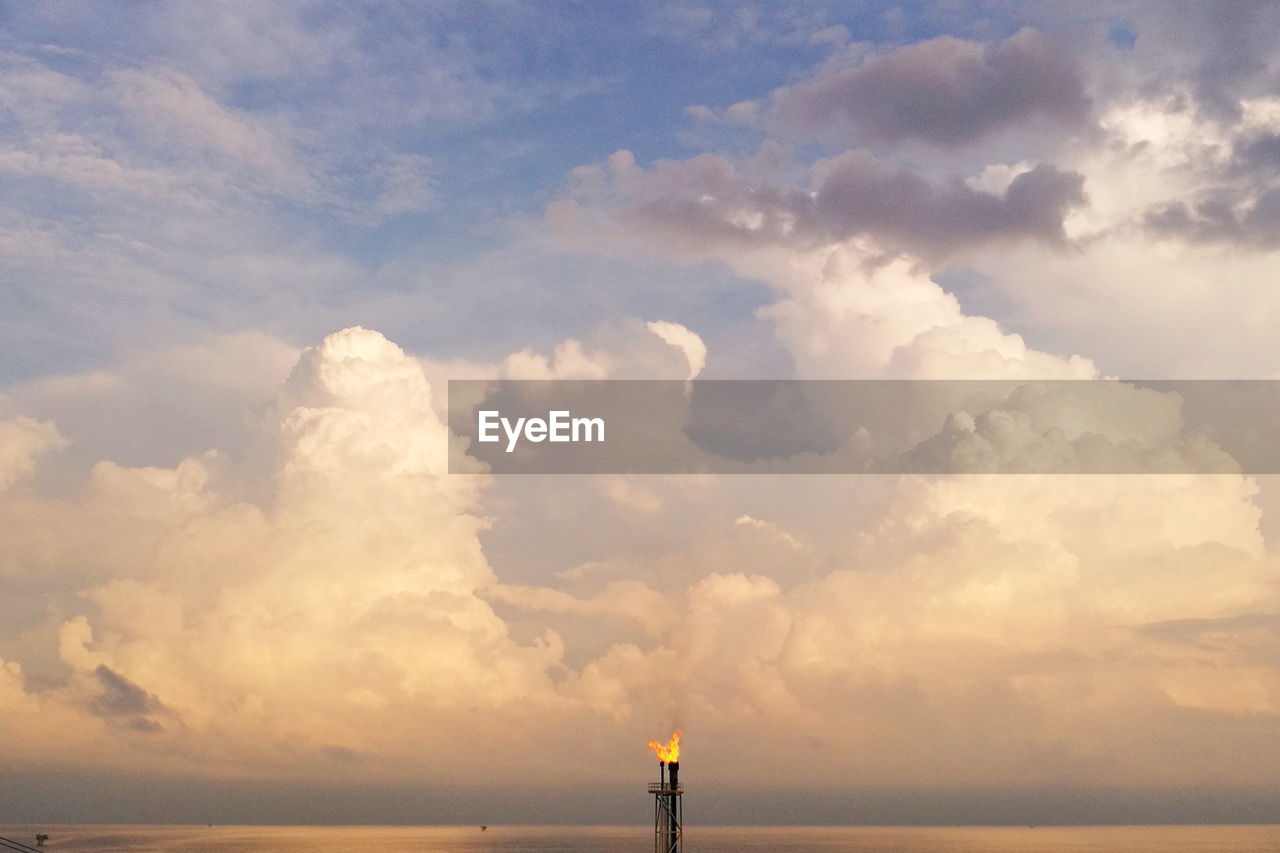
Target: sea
639, 839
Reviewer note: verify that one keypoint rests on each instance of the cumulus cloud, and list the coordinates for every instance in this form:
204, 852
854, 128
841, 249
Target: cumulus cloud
1010, 442
842, 318
1163, 203
247, 619
1177, 234
979, 611
851, 303
323, 595
326, 596
351, 615
687, 341
1139, 226
621, 349
23, 440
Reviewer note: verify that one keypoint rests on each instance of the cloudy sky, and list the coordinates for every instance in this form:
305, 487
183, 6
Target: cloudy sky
243, 246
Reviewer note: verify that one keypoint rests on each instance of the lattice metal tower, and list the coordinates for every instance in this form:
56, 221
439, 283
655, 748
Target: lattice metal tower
668, 817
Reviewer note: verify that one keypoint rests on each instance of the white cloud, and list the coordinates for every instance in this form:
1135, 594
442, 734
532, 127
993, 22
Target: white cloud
845, 317
170, 109
624, 349
348, 613
316, 592
678, 336
22, 441
353, 591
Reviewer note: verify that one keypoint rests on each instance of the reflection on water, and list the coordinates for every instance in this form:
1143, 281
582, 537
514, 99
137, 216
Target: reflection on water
615, 839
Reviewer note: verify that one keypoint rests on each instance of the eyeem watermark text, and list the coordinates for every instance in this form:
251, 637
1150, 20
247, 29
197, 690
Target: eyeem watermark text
559, 425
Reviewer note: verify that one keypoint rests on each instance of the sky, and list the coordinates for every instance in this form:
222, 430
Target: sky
243, 247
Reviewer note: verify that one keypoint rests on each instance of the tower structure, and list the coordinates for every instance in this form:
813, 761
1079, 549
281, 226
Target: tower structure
668, 819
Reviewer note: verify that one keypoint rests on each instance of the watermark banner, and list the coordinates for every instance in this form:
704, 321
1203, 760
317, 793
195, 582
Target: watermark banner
864, 426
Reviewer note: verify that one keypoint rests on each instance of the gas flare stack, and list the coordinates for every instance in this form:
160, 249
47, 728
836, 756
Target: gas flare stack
668, 816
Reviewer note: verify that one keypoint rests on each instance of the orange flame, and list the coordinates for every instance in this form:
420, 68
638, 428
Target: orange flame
671, 751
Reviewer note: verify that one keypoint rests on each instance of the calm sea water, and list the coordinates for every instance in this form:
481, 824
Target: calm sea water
635, 839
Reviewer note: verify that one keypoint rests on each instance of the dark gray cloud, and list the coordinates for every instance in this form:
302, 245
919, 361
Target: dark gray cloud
1235, 55
1237, 40
1257, 155
863, 196
1212, 53
704, 203
1241, 205
1251, 638
1221, 216
125, 701
1195, 630
945, 91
